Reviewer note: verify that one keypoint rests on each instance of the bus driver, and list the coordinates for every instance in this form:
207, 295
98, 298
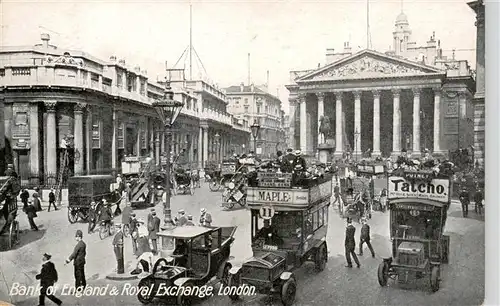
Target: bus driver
269, 234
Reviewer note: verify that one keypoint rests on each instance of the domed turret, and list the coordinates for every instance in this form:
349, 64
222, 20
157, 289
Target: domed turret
402, 18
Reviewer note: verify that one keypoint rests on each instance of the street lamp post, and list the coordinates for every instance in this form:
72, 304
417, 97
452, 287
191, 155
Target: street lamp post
255, 132
168, 109
217, 148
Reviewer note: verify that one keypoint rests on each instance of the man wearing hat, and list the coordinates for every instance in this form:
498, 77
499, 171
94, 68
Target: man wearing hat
181, 220
106, 215
190, 221
52, 199
11, 171
350, 244
299, 161
118, 249
287, 161
154, 228
464, 199
78, 258
142, 240
31, 214
134, 233
205, 218
365, 238
47, 277
478, 199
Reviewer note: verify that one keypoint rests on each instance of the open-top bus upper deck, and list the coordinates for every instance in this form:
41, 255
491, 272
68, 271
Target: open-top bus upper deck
279, 190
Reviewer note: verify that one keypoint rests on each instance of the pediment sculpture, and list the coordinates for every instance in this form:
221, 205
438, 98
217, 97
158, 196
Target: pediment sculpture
65, 59
370, 66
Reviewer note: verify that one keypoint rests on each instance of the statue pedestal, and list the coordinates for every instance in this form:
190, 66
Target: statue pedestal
324, 152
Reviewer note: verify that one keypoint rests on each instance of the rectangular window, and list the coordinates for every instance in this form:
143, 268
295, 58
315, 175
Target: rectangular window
21, 126
143, 87
119, 79
258, 109
96, 133
119, 136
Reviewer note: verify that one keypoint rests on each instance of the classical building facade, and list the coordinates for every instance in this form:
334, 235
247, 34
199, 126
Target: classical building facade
255, 104
479, 106
104, 107
409, 98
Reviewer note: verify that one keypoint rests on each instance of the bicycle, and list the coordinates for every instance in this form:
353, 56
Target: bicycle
106, 229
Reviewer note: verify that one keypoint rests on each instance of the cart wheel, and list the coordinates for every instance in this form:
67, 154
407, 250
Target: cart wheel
435, 279
214, 186
233, 281
182, 299
146, 283
288, 292
72, 215
383, 274
13, 234
321, 258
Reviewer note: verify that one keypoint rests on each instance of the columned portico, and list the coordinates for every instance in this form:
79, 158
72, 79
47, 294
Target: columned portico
78, 134
396, 122
321, 113
292, 111
339, 148
51, 141
376, 123
357, 123
303, 122
416, 121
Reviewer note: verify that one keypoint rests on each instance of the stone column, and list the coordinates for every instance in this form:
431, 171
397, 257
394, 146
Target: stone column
376, 123
357, 123
437, 120
78, 134
303, 123
34, 141
205, 145
163, 144
339, 146
416, 122
200, 148
321, 113
292, 108
51, 141
396, 123
138, 138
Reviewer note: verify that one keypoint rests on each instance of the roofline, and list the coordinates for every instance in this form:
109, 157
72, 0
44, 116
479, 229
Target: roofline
376, 53
427, 75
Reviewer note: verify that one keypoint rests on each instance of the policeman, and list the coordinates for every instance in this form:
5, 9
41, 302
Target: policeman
464, 199
118, 249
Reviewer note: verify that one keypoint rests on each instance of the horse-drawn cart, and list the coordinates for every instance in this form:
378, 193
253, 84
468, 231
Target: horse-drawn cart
9, 189
83, 190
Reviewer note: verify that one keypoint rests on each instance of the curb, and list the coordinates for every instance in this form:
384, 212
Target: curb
121, 277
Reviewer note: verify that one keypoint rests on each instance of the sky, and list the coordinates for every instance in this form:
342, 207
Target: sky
279, 35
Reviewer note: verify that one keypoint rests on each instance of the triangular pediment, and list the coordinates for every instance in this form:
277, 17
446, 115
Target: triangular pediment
368, 64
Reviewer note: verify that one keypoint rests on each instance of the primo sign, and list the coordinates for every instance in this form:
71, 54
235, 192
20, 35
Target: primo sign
434, 190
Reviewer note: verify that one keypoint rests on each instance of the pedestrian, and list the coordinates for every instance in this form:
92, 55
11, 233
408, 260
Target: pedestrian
464, 199
190, 221
78, 258
144, 263
36, 202
127, 216
31, 213
25, 196
52, 199
153, 229
336, 191
47, 277
365, 238
478, 201
181, 220
350, 244
142, 240
134, 232
205, 218
118, 249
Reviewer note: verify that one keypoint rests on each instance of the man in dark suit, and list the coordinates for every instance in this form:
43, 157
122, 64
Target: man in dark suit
153, 229
52, 199
25, 195
118, 249
365, 238
464, 199
287, 161
47, 277
78, 258
478, 199
350, 244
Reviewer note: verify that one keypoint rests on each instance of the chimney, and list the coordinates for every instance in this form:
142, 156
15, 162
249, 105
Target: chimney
242, 87
137, 69
45, 39
347, 48
122, 62
112, 58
